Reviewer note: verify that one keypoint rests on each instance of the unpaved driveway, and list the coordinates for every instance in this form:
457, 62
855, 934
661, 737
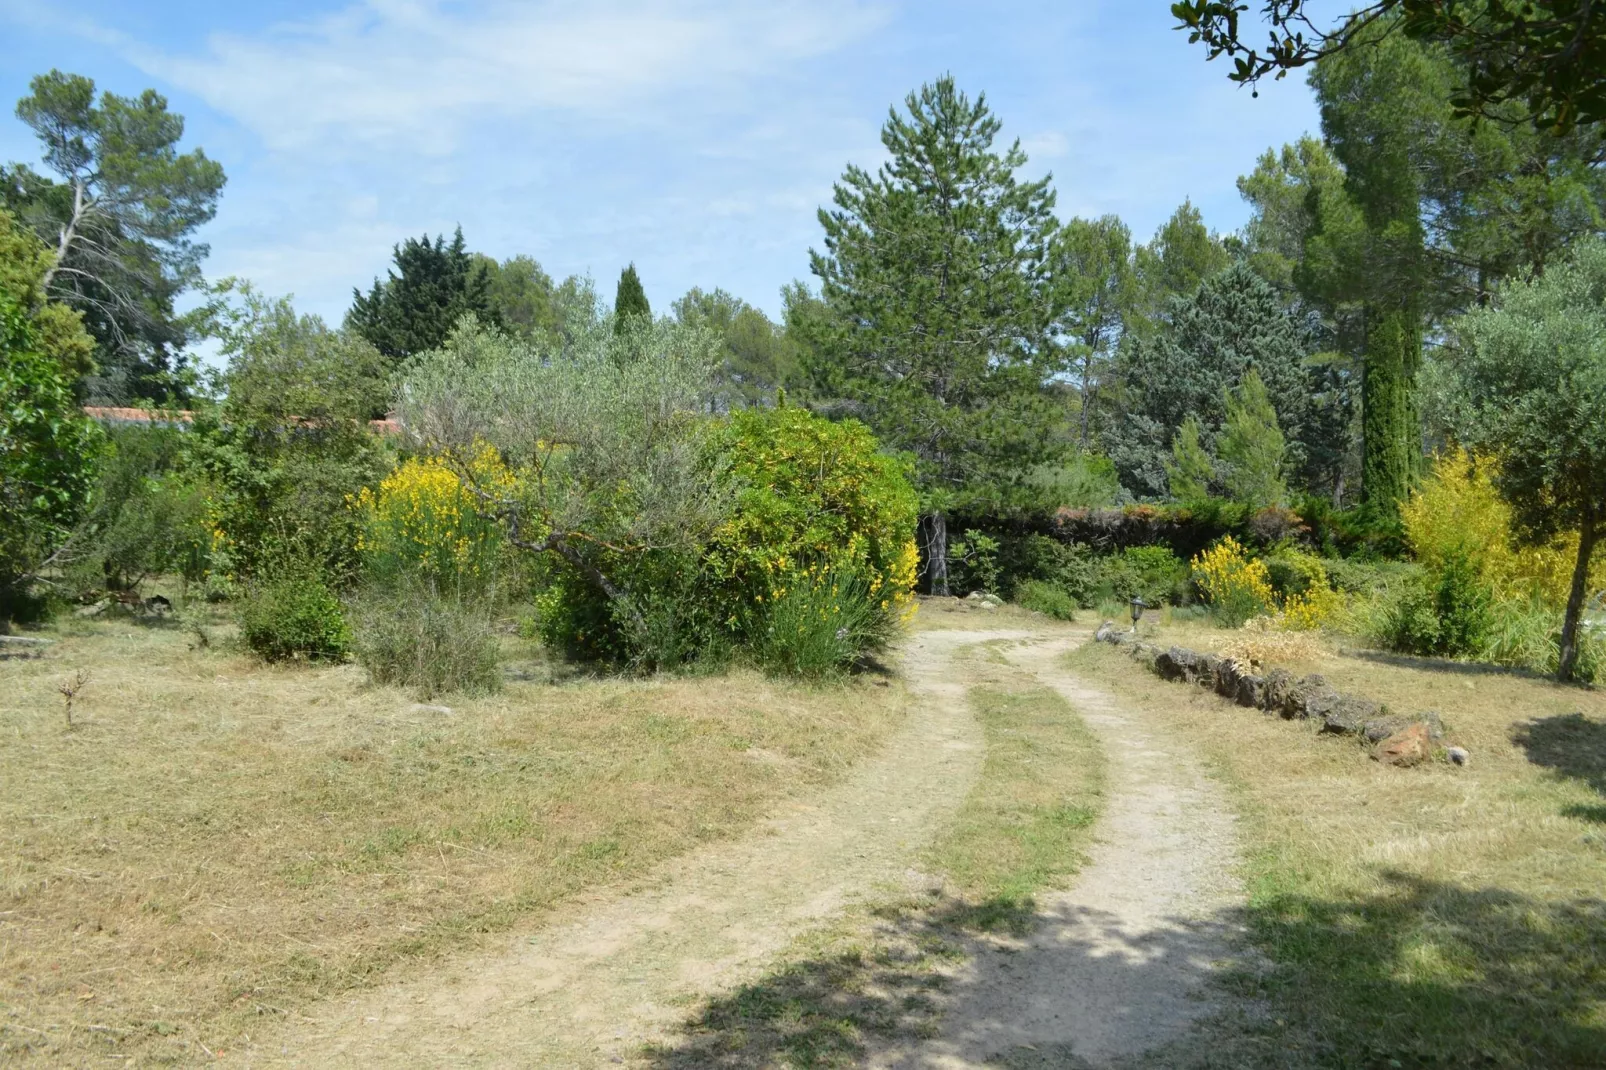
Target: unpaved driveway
591, 989
1118, 964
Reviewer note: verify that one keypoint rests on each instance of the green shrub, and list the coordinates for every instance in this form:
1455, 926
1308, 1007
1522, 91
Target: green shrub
1405, 620
1047, 598
1295, 572
823, 625
1449, 613
973, 563
294, 616
1152, 573
413, 637
1071, 566
1370, 579
1462, 601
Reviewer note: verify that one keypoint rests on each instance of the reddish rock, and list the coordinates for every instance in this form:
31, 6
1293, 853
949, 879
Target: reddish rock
1409, 746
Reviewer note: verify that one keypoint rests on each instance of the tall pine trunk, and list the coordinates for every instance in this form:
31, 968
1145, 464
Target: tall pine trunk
1390, 435
937, 548
1575, 599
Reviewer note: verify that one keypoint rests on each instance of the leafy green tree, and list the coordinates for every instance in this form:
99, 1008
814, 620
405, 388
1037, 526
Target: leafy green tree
1182, 254
1191, 471
290, 443
619, 493
1549, 55
48, 454
522, 296
937, 308
1233, 322
1406, 216
432, 286
629, 299
119, 222
1531, 378
57, 329
759, 358
1253, 451
1093, 270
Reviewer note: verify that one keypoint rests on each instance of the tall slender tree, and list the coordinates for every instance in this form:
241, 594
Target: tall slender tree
937, 304
629, 299
1093, 272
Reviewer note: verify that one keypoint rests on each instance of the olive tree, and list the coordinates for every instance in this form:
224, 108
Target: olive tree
1530, 388
602, 434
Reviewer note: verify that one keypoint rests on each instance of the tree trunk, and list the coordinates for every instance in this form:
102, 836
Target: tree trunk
1575, 600
937, 548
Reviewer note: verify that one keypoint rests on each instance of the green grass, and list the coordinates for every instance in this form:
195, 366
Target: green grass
1432, 917
1025, 824
879, 976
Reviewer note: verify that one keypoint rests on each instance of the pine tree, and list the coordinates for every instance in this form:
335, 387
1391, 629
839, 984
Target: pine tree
630, 300
1253, 450
1191, 471
936, 305
1232, 322
432, 286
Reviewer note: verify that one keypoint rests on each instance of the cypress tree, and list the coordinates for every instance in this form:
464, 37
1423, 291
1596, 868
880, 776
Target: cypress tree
630, 300
432, 286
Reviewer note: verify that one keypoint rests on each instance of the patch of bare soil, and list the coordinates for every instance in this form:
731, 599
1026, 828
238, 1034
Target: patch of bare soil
592, 987
1118, 964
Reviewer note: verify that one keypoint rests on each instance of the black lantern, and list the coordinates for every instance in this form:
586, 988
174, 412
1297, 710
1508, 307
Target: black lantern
1138, 606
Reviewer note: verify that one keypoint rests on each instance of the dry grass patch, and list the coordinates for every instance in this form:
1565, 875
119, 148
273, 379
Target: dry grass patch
218, 840
1427, 917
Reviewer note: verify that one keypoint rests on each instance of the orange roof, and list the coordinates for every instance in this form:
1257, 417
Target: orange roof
122, 415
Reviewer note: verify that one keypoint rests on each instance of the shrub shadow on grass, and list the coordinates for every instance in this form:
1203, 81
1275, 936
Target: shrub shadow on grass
1570, 744
1444, 665
1420, 974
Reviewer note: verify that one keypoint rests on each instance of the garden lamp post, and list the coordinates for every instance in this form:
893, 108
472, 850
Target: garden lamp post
1138, 606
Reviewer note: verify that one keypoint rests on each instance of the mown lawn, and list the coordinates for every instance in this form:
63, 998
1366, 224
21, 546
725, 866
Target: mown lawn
1428, 917
215, 841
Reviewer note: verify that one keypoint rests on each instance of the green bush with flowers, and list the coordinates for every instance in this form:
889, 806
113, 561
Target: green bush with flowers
819, 509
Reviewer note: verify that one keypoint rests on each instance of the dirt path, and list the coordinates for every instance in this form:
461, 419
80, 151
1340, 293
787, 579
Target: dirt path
1118, 964
591, 989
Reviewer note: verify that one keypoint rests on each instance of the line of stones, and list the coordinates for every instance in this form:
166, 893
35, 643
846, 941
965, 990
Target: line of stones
1277, 691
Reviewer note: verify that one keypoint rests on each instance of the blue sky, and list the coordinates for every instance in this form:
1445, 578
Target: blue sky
696, 139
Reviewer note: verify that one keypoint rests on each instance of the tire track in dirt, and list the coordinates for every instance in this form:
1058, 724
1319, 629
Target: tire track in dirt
1118, 964
589, 990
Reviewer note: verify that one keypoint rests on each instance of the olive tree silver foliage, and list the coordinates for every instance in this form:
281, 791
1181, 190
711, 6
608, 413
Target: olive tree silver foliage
1529, 386
601, 429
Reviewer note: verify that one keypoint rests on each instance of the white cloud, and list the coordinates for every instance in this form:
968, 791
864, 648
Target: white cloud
391, 71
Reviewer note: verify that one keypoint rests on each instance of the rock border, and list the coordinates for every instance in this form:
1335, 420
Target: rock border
1398, 739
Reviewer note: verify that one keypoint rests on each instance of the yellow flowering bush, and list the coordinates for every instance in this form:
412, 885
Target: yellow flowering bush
821, 536
421, 520
1457, 512
1237, 585
814, 496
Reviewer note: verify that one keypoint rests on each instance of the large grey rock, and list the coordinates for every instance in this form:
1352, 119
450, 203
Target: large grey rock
1279, 690
1228, 678
1174, 664
1351, 714
1206, 669
1105, 632
1380, 728
1251, 691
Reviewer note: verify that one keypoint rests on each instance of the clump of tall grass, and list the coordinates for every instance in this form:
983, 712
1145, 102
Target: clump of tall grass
411, 635
825, 624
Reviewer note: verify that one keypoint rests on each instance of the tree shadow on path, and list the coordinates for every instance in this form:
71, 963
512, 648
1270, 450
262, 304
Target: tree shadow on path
1415, 974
